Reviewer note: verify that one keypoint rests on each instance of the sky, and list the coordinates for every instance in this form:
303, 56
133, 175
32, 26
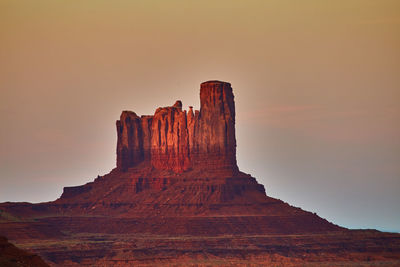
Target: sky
316, 84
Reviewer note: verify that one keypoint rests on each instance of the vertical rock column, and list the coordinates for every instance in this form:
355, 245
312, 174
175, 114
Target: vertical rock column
169, 139
130, 140
214, 133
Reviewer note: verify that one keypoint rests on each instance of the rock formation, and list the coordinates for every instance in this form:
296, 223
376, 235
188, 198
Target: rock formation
177, 140
177, 198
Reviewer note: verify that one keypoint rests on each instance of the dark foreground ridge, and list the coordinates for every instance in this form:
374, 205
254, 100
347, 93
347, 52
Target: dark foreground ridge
177, 196
11, 256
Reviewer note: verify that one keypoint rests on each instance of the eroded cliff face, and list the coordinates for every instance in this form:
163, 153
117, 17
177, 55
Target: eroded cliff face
177, 140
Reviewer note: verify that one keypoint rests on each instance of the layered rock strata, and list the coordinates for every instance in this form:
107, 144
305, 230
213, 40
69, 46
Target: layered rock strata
179, 140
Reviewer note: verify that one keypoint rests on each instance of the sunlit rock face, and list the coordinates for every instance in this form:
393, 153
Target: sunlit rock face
178, 140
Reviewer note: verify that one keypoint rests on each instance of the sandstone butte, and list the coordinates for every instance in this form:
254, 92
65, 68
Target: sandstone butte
178, 198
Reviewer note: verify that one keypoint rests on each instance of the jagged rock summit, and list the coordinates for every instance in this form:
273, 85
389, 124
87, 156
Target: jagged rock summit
177, 140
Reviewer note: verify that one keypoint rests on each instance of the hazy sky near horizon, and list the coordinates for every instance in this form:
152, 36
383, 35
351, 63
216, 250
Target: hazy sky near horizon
316, 84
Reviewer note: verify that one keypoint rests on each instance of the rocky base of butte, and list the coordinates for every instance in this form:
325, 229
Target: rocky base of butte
177, 197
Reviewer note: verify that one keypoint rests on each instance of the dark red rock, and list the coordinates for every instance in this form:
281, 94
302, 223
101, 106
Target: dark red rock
11, 256
146, 135
130, 140
214, 134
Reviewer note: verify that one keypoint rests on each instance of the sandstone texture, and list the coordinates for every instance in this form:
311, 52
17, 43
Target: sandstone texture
177, 198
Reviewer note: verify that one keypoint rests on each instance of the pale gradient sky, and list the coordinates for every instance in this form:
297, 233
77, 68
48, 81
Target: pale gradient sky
316, 83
